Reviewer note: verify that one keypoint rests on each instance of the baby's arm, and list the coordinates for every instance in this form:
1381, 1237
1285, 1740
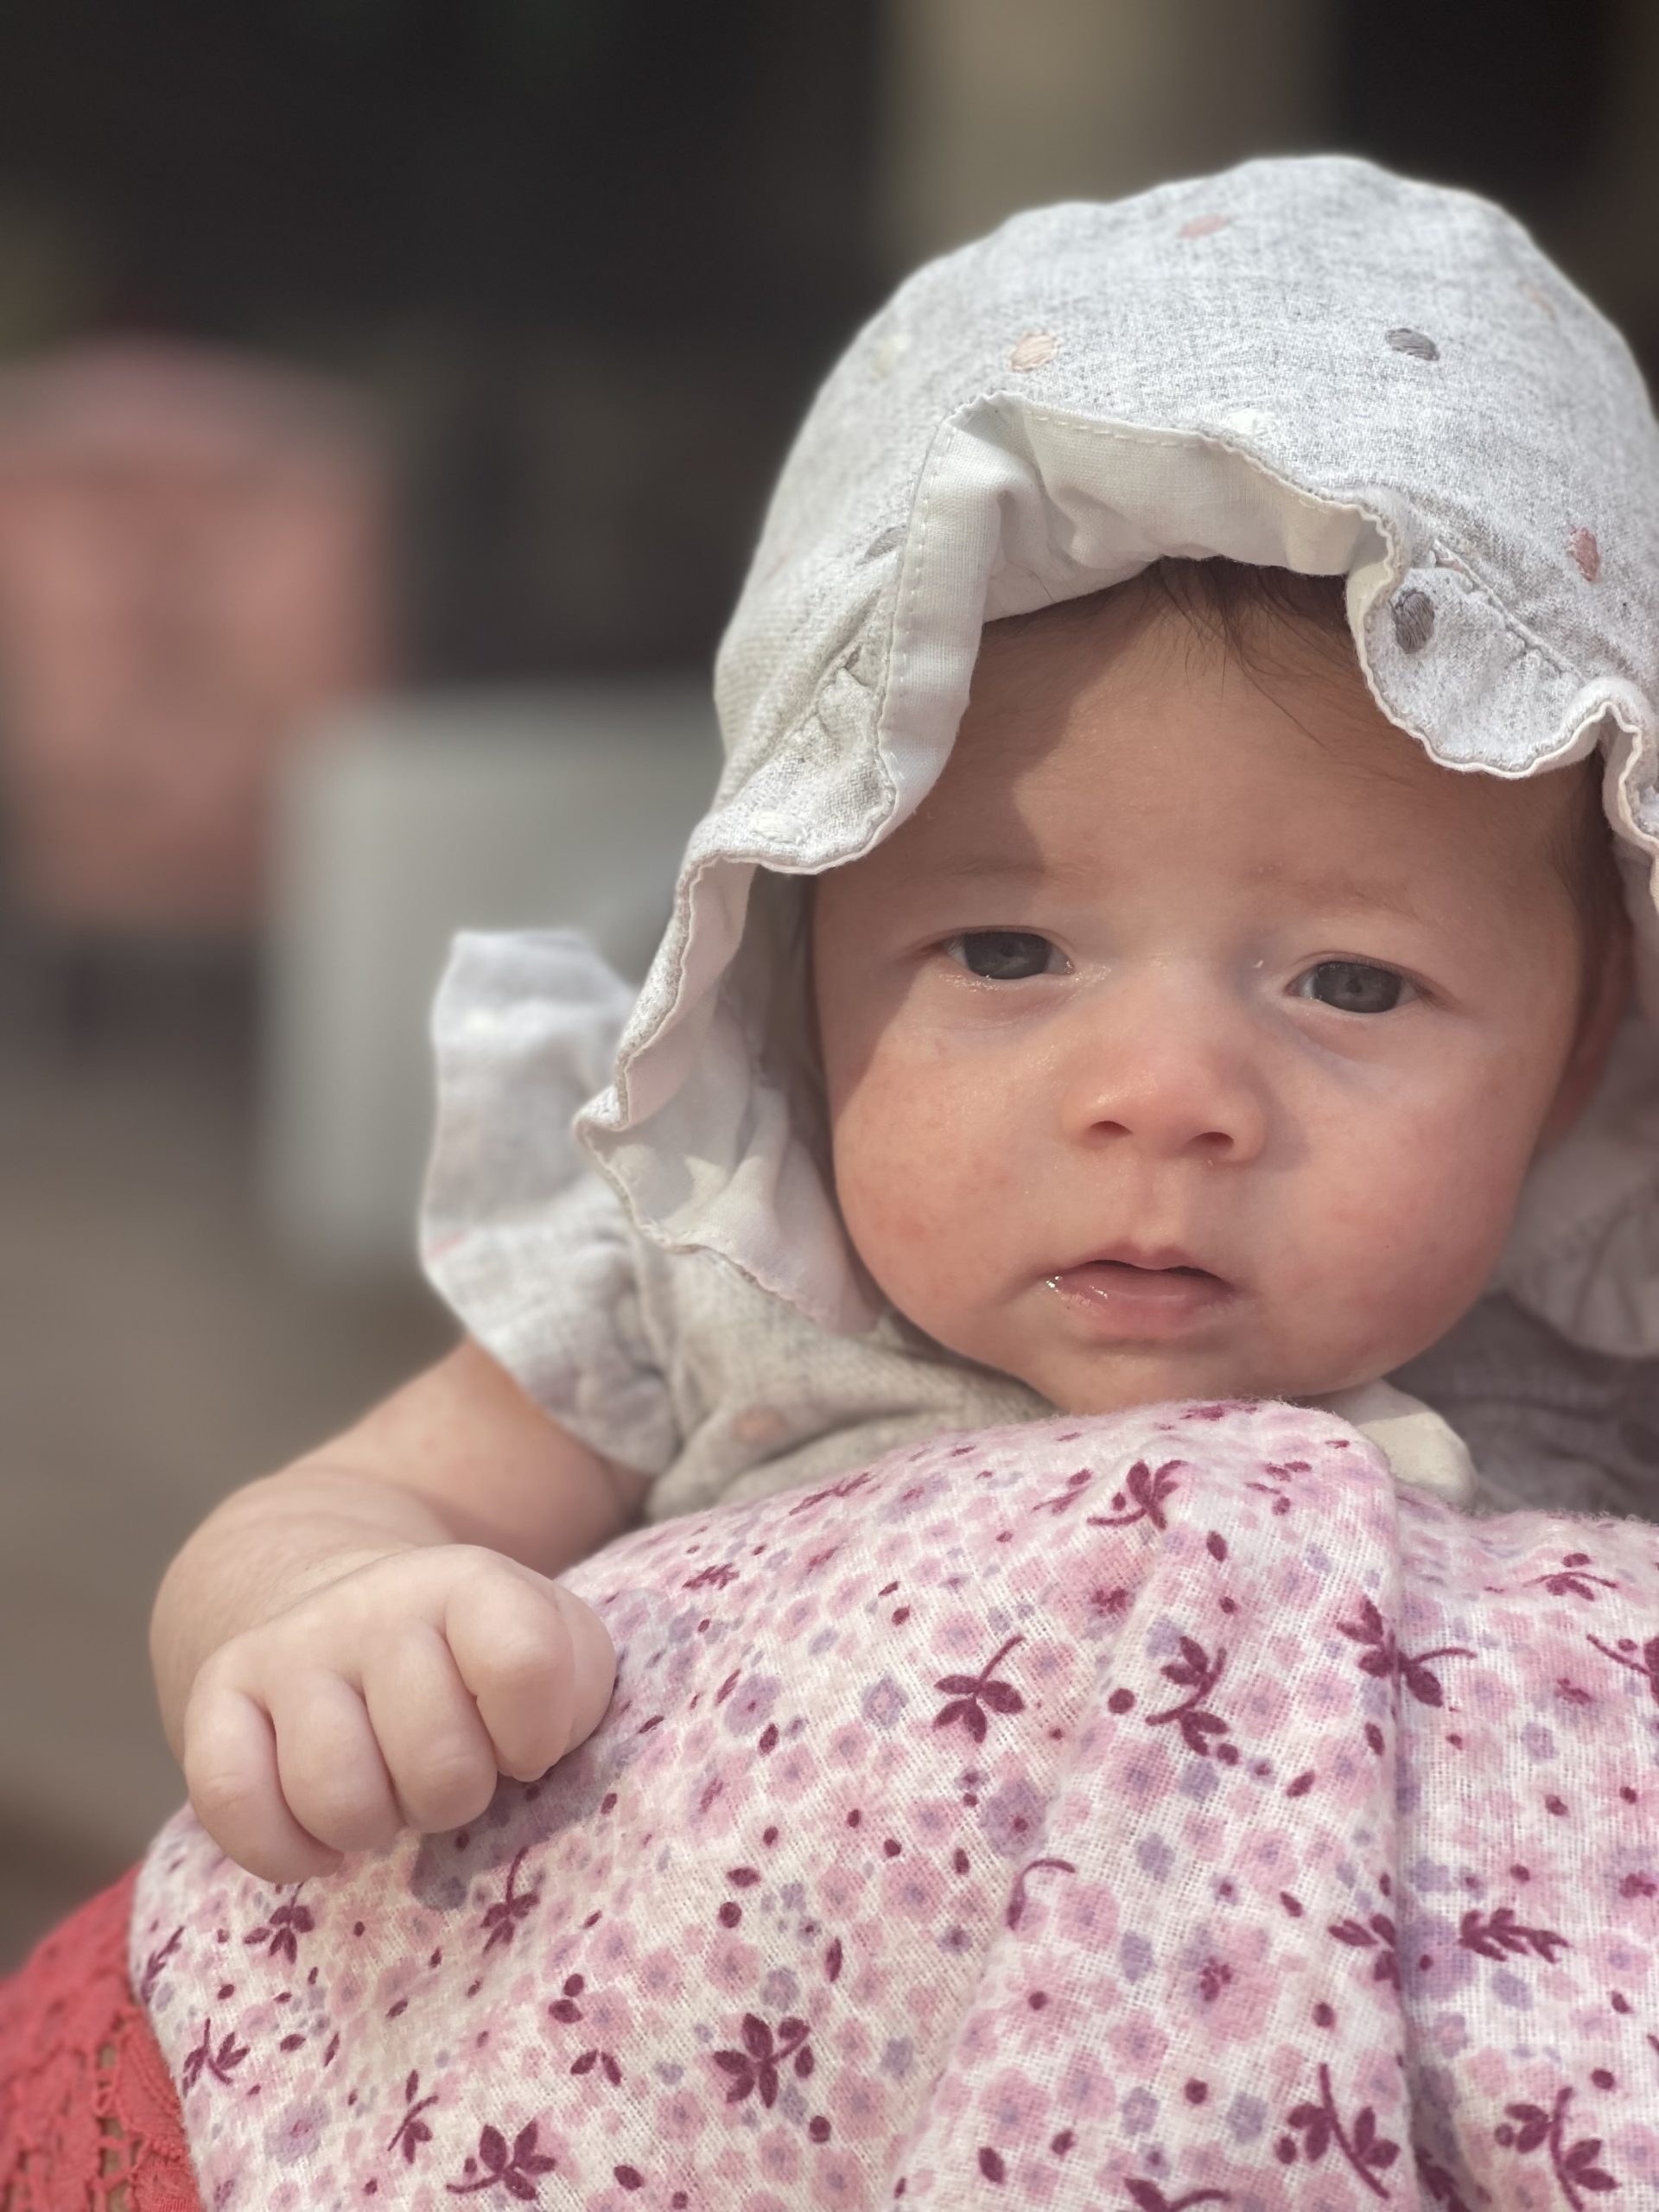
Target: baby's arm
365, 1641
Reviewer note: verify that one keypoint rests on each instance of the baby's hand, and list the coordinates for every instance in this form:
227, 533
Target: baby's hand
391, 1698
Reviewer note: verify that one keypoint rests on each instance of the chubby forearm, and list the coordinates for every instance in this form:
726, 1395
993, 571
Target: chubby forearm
268, 1545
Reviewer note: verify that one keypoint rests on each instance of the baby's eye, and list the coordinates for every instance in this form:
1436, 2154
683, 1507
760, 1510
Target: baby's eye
1004, 956
1353, 987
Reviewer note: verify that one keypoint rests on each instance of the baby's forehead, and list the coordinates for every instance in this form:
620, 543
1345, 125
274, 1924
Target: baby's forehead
1174, 705
1102, 670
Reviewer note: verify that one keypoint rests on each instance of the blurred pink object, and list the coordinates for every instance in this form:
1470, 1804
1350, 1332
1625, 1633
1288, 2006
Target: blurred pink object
192, 563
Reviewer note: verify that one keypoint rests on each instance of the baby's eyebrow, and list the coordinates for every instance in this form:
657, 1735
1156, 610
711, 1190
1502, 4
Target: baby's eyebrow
1311, 887
992, 867
1376, 894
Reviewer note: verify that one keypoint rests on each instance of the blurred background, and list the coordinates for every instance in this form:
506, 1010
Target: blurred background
389, 393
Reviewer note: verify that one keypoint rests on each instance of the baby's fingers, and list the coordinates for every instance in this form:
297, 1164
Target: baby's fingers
438, 1751
332, 1775
230, 1767
514, 1641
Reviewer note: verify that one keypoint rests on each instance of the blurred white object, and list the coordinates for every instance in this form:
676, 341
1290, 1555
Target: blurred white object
408, 820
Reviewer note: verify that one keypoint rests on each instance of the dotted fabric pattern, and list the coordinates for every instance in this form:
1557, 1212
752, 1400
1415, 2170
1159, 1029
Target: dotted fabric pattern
1145, 1812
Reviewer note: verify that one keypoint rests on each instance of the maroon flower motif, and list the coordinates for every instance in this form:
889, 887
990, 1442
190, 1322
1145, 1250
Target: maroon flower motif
1147, 2197
203, 2058
412, 2130
154, 1964
1568, 1579
1526, 2127
755, 2068
502, 1918
1647, 1665
1439, 2184
1197, 1674
1064, 1499
496, 2167
1500, 1935
606, 2061
1385, 1660
844, 1488
564, 2007
1281, 1498
970, 1694
283, 1931
1142, 1497
1016, 1909
1376, 1933
711, 1577
1320, 2126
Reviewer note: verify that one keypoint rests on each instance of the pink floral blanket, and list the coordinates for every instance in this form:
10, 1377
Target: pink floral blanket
1150, 1812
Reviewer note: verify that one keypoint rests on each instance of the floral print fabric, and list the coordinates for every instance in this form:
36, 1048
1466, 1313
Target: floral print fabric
1151, 1812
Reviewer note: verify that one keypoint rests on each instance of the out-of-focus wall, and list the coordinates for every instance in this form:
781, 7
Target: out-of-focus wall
988, 108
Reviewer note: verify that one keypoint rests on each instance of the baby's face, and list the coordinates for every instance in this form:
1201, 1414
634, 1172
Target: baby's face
1194, 1037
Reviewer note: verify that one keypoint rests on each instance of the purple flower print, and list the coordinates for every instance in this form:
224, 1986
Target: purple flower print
1385, 1660
1012, 1818
970, 1694
755, 2068
752, 1708
1526, 2128
496, 2167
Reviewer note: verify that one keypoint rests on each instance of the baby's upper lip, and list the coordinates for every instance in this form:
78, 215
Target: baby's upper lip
1155, 1258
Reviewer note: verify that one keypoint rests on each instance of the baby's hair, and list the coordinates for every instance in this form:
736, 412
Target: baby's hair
1242, 607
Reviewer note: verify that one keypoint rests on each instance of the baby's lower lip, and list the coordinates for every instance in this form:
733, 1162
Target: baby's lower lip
1117, 1300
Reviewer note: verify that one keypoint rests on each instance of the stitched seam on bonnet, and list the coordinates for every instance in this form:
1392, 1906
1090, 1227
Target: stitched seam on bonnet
1469, 579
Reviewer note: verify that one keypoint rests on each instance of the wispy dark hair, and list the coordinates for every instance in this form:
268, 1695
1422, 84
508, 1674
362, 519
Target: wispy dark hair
1243, 606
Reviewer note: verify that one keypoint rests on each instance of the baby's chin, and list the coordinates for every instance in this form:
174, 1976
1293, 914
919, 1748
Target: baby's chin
1133, 1375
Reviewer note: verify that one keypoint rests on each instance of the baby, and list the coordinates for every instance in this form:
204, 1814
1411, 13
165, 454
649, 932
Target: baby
1135, 954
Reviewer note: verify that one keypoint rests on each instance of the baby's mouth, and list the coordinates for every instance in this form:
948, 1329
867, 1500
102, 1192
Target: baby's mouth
1152, 1294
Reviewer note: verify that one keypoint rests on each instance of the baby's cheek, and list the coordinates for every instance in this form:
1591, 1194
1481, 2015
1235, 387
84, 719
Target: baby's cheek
1422, 1237
915, 1177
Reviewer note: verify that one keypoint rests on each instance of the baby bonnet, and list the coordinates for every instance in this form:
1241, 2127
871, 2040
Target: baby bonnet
1309, 364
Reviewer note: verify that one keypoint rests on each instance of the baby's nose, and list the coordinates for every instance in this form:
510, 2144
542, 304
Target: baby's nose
1168, 1073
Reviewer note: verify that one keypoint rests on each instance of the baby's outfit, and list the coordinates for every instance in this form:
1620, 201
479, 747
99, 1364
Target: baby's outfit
1309, 365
